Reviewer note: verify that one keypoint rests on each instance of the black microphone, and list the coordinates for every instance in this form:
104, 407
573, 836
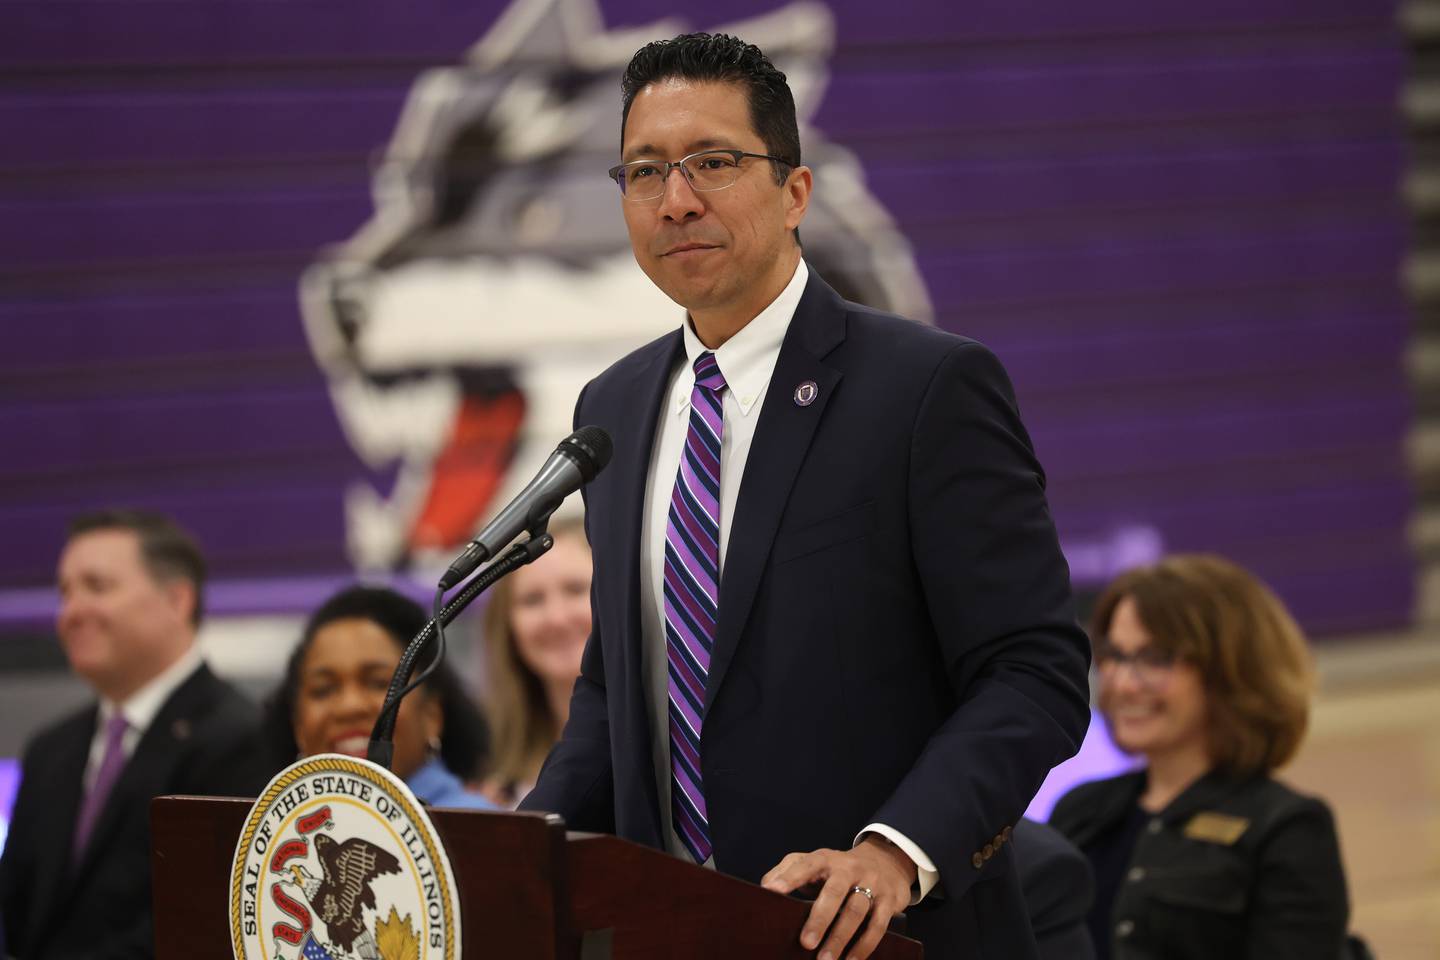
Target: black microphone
574, 463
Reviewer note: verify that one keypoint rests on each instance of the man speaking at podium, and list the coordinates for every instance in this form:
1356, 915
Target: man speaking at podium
833, 645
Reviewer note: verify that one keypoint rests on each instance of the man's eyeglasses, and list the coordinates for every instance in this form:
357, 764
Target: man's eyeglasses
642, 180
1151, 665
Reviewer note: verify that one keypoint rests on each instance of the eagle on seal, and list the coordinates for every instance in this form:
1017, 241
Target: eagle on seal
340, 896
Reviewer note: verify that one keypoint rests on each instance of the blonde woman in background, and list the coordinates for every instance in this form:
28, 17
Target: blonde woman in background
536, 626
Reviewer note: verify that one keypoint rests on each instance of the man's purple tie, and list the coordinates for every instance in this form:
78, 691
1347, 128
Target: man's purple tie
111, 763
692, 600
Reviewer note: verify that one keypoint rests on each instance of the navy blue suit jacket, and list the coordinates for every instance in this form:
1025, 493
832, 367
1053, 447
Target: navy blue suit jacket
896, 640
204, 740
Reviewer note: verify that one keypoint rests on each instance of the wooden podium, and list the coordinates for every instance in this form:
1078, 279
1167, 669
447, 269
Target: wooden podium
528, 891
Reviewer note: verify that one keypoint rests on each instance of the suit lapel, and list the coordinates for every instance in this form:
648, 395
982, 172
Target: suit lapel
631, 464
66, 776
782, 438
1109, 808
1209, 791
151, 762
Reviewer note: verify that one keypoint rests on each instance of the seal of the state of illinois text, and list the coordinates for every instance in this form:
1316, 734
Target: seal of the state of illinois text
338, 861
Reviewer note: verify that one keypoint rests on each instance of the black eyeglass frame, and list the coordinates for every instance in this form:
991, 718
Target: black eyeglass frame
1145, 662
736, 155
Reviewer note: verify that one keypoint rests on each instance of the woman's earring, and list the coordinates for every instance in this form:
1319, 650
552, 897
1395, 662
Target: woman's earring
434, 744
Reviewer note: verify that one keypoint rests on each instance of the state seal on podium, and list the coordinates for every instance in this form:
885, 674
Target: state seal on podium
339, 861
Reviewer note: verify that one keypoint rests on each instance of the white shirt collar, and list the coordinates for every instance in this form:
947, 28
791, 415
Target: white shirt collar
748, 358
142, 706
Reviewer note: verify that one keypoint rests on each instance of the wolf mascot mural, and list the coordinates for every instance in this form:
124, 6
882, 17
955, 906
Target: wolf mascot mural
495, 278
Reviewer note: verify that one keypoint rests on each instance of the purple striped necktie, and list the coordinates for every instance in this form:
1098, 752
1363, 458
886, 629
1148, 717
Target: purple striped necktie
112, 761
692, 600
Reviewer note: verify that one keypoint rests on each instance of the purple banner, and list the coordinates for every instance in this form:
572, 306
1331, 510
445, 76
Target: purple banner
323, 280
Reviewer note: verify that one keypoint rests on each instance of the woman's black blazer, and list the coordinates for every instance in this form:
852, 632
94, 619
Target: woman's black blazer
1240, 869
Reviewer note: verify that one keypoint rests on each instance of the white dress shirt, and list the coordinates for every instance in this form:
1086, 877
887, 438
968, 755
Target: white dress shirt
139, 710
746, 361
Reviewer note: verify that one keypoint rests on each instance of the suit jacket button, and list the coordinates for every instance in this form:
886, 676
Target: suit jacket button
978, 861
1136, 874
1154, 826
1124, 928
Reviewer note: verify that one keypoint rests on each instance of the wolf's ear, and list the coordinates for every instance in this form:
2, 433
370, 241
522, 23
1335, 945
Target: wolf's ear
798, 38
537, 31
563, 31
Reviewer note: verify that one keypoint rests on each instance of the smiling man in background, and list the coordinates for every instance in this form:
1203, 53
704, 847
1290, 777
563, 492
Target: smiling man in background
75, 874
833, 642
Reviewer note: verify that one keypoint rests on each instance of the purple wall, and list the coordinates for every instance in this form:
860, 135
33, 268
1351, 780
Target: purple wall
1178, 227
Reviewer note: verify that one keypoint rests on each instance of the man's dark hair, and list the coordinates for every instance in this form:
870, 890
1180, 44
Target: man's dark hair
721, 58
168, 551
464, 736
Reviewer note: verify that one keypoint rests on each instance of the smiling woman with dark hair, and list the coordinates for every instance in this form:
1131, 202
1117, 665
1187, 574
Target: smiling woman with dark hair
335, 685
1203, 853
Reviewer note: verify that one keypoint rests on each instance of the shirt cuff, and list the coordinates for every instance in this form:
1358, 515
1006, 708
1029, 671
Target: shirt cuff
926, 876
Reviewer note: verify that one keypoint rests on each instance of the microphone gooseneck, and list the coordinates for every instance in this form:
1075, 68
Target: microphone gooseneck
575, 462
381, 748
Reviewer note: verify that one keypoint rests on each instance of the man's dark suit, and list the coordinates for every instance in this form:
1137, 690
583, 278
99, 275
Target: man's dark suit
203, 741
896, 641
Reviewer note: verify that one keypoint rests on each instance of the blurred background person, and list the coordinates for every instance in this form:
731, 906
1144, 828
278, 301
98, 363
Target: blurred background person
335, 684
1059, 890
75, 875
1202, 853
535, 631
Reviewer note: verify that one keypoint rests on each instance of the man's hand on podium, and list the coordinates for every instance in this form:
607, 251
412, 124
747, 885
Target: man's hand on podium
844, 877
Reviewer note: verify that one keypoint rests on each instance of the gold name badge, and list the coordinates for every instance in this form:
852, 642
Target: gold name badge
1216, 828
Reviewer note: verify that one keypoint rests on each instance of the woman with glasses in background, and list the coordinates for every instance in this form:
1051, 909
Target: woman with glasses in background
1202, 853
